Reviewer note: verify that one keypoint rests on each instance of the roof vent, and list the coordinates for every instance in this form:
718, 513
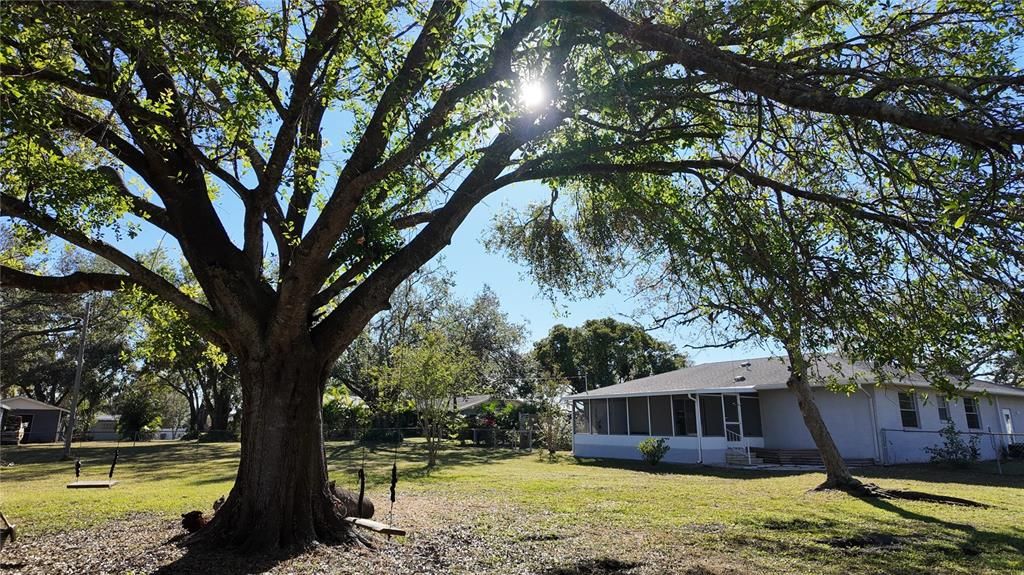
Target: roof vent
745, 364
739, 378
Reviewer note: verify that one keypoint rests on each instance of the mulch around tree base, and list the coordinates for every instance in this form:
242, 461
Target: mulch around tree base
481, 539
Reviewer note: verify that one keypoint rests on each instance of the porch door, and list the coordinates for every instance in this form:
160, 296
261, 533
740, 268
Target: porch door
733, 422
1008, 423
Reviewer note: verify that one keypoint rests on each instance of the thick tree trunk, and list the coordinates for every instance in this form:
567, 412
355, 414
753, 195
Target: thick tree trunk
201, 412
281, 496
837, 474
220, 412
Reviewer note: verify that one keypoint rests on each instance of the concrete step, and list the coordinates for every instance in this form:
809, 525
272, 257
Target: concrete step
801, 457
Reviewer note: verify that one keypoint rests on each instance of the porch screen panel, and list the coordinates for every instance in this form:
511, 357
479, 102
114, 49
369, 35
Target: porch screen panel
618, 422
600, 408
661, 415
582, 423
750, 407
638, 419
712, 424
686, 415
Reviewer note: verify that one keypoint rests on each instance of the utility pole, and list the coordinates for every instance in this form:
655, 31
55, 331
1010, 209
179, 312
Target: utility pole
70, 430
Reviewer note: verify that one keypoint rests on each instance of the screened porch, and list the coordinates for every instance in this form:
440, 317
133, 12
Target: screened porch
730, 415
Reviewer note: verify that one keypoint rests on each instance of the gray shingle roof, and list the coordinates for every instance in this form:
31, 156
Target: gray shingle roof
759, 373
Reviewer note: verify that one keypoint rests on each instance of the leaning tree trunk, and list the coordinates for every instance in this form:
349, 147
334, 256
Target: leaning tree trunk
281, 496
220, 408
837, 474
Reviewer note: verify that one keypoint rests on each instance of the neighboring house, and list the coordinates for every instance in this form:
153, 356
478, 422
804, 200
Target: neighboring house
11, 431
471, 403
741, 411
104, 428
170, 433
42, 422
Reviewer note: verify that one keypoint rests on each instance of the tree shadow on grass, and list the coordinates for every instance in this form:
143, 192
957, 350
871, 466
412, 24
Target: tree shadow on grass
144, 461
600, 566
980, 475
976, 541
411, 458
691, 469
209, 558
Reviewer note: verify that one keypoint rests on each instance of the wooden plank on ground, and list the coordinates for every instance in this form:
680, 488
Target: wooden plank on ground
91, 484
375, 526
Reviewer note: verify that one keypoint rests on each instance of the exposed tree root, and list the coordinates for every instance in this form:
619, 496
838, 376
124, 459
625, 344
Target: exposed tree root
860, 489
223, 530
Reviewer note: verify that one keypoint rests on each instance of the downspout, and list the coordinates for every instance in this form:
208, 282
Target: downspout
874, 423
1005, 439
573, 408
696, 410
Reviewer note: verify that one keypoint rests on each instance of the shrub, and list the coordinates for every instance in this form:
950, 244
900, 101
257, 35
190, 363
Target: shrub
1015, 451
653, 450
500, 413
954, 450
342, 415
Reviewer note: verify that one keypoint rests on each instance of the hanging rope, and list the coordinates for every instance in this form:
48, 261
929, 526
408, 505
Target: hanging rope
362, 485
394, 483
113, 464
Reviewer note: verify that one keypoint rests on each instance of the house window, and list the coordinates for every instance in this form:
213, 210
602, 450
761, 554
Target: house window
943, 410
686, 415
711, 417
617, 425
973, 413
661, 415
908, 409
638, 419
26, 423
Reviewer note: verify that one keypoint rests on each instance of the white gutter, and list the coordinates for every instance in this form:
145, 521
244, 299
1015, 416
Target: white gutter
874, 423
696, 410
743, 389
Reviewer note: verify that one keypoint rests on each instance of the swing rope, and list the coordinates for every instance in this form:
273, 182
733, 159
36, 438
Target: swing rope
362, 485
394, 482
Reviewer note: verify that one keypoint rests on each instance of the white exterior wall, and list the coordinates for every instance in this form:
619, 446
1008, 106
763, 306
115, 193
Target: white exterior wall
683, 449
1016, 407
848, 418
900, 445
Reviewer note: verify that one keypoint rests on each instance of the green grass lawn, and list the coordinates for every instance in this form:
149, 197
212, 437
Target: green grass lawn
765, 522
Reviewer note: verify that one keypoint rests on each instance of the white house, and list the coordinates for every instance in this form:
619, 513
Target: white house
741, 412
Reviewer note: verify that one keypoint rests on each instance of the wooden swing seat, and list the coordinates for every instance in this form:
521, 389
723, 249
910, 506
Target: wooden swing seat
91, 484
376, 526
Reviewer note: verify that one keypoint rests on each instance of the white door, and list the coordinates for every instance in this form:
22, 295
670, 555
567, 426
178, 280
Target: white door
733, 420
1008, 423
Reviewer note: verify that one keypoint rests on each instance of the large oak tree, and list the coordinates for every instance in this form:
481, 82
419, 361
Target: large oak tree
358, 136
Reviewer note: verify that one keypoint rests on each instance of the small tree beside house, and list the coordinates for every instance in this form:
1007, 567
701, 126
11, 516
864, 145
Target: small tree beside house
552, 417
954, 449
430, 375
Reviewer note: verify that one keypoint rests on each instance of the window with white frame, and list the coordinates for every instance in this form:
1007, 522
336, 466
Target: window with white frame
908, 409
943, 410
973, 413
